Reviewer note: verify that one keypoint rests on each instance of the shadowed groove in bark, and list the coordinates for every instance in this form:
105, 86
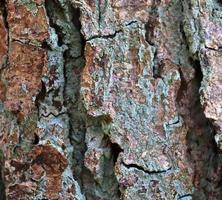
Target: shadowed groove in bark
116, 150
150, 38
103, 183
202, 151
202, 148
40, 97
69, 34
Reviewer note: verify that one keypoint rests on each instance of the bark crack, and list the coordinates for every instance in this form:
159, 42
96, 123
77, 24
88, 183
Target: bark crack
200, 136
219, 49
184, 196
140, 168
150, 27
104, 36
111, 36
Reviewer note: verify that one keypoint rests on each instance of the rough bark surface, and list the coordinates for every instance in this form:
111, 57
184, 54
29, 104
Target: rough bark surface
110, 99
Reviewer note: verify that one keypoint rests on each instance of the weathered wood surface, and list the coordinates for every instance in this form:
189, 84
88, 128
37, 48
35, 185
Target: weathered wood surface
110, 99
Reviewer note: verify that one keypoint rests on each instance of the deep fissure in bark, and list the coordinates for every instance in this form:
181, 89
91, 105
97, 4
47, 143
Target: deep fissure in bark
102, 184
40, 97
91, 184
201, 146
150, 35
73, 66
116, 150
202, 151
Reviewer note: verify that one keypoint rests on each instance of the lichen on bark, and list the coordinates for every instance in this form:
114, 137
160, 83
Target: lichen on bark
110, 99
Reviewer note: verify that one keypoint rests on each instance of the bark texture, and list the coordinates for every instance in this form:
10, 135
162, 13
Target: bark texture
110, 99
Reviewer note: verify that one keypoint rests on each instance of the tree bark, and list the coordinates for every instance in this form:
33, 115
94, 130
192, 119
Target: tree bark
110, 99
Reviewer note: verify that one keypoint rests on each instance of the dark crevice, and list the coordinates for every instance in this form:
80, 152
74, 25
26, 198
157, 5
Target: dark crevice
111, 36
114, 147
201, 145
105, 36
198, 72
115, 150
213, 162
66, 55
36, 139
173, 124
184, 196
76, 22
3, 9
58, 32
68, 31
46, 46
75, 18
69, 35
52, 114
132, 22
49, 4
150, 28
100, 14
201, 152
102, 184
38, 100
108, 168
76, 112
214, 49
140, 168
40, 97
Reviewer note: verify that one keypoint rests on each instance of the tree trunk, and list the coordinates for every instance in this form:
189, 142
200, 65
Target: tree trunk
110, 99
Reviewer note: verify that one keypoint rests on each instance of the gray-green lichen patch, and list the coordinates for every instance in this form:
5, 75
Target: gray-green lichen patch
127, 91
54, 123
118, 84
137, 184
30, 5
